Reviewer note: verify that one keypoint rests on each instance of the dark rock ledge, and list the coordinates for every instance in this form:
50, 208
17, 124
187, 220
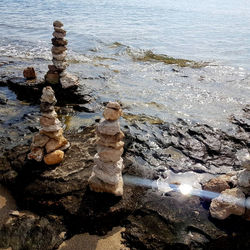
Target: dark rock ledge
60, 196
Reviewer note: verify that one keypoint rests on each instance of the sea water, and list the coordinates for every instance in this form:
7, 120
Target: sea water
106, 36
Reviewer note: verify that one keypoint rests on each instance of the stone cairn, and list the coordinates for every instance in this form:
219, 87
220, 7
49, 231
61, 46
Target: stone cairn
235, 200
57, 72
107, 173
49, 144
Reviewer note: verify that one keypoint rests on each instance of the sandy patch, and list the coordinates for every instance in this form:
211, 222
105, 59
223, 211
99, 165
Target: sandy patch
111, 241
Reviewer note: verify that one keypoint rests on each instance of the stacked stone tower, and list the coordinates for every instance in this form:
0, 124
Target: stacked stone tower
57, 72
49, 143
107, 172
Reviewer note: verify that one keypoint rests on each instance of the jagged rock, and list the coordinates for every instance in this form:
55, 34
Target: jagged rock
36, 154
57, 24
55, 144
39, 140
218, 184
109, 127
230, 201
67, 80
108, 154
58, 49
54, 158
244, 180
29, 73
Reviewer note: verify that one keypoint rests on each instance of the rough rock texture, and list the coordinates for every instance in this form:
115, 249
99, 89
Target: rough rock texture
218, 184
24, 230
29, 73
153, 220
230, 201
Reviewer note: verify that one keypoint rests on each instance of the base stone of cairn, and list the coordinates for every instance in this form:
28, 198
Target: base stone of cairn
57, 72
49, 144
107, 173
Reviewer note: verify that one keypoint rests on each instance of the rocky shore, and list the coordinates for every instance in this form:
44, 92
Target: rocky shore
55, 204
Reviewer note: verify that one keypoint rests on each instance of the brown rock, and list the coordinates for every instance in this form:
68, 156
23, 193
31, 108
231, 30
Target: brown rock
39, 140
110, 139
59, 57
54, 157
114, 105
218, 184
230, 201
59, 41
29, 73
36, 154
45, 121
53, 135
115, 145
52, 68
60, 30
52, 78
109, 127
112, 114
57, 24
58, 49
54, 144
48, 95
58, 35
108, 154
98, 185
51, 114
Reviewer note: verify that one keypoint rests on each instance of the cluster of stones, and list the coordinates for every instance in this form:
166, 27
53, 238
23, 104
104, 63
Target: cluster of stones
235, 200
49, 143
107, 173
57, 72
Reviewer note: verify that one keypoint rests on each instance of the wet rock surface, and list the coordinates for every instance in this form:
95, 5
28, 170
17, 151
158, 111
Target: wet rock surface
153, 220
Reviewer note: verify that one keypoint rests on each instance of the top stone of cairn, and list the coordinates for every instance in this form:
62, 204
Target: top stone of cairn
57, 24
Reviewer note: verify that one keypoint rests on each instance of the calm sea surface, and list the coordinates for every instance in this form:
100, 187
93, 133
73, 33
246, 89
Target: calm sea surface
105, 37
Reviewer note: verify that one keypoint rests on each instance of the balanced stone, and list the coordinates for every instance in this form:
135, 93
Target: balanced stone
114, 105
58, 49
58, 35
108, 154
107, 172
59, 41
60, 30
59, 57
48, 95
50, 136
68, 80
109, 127
36, 154
52, 78
112, 114
54, 158
57, 24
60, 65
39, 140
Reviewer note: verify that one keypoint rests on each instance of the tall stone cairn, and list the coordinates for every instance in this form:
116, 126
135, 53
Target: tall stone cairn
49, 143
57, 72
107, 172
